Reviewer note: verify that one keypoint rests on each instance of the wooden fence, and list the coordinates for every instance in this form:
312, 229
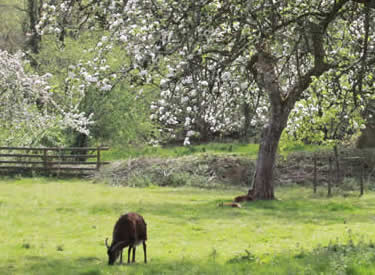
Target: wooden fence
354, 167
342, 169
50, 161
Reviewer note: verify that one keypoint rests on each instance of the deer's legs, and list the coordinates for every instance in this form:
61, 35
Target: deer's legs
129, 251
134, 247
144, 251
121, 256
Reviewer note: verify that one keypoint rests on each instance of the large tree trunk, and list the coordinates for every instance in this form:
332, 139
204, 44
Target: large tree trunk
262, 185
280, 108
263, 178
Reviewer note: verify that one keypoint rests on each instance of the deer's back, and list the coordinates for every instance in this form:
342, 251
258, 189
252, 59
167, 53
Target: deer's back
131, 227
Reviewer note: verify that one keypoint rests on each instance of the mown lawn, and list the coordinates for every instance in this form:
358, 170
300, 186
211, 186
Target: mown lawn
55, 227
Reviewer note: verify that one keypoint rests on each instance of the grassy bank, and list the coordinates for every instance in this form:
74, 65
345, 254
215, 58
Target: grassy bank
240, 149
59, 227
249, 150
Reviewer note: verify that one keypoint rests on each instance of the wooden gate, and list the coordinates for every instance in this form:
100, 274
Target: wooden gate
50, 161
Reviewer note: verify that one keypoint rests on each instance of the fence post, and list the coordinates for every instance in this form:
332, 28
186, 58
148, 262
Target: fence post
361, 179
315, 183
337, 164
98, 158
59, 160
45, 164
329, 176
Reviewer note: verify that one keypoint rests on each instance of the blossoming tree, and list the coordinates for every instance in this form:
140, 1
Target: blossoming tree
206, 50
28, 109
331, 114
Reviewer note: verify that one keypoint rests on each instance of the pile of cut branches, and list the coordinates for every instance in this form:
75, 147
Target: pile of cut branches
206, 171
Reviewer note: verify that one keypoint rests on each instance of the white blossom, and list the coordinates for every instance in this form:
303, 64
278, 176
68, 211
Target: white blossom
186, 141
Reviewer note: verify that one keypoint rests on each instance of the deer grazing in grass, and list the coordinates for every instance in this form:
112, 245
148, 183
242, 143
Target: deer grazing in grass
130, 230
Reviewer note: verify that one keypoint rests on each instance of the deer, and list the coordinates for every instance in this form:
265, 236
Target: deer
130, 230
248, 197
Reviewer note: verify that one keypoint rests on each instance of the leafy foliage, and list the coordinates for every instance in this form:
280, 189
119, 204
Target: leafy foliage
120, 114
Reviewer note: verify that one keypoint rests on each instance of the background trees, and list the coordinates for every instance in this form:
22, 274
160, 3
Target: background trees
120, 115
218, 67
219, 49
331, 114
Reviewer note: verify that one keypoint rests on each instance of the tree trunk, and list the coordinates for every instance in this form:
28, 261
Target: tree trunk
33, 42
280, 108
263, 179
337, 162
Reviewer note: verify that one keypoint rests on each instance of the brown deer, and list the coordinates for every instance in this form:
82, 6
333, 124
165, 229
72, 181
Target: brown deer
130, 230
248, 197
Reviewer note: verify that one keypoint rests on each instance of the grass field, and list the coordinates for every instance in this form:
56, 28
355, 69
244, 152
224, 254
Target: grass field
58, 227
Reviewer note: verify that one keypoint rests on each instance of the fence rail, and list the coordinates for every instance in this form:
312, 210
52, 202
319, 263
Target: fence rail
51, 160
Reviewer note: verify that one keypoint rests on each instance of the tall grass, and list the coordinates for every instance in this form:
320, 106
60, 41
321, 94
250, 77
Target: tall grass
58, 227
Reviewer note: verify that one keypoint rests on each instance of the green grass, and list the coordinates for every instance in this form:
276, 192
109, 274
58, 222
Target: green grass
59, 226
249, 150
